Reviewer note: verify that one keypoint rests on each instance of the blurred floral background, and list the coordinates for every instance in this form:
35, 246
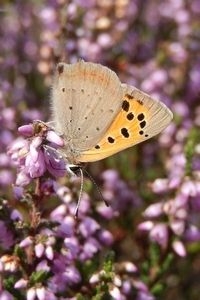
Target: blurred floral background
146, 244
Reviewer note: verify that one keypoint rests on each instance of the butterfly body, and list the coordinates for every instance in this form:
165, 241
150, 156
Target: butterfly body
99, 116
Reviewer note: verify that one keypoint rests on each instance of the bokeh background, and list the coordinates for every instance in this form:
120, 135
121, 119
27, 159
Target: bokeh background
153, 45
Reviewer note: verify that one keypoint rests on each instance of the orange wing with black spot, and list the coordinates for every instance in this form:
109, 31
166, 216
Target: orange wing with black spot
140, 118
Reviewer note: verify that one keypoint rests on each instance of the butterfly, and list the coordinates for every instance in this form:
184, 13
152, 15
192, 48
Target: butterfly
98, 115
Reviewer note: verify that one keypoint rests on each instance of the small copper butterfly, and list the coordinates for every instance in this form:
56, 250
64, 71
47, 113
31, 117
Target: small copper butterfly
99, 116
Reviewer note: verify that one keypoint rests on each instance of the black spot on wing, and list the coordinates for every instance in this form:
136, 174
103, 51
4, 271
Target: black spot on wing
140, 117
111, 140
124, 132
140, 102
130, 116
130, 97
142, 124
125, 105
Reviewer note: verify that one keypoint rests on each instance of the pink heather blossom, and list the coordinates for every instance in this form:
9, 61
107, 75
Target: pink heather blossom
22, 283
28, 241
31, 294
159, 234
52, 137
26, 130
88, 227
154, 210
39, 249
35, 156
40, 292
153, 189
179, 248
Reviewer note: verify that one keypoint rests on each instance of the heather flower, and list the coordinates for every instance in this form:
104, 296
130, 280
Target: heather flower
88, 226
105, 237
21, 283
114, 189
192, 233
10, 263
6, 295
6, 236
179, 248
34, 156
153, 217
159, 234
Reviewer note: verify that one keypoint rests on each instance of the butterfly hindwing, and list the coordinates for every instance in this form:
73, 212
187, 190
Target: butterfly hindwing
140, 118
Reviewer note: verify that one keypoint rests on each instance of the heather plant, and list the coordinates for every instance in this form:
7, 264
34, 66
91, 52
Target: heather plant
145, 243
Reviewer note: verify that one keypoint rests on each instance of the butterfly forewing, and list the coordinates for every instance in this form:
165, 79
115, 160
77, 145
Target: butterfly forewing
140, 118
86, 98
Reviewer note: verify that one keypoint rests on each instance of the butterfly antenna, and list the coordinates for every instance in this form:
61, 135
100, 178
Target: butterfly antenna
80, 195
97, 187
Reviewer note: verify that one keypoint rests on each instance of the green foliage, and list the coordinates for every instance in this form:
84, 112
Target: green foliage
189, 150
39, 277
8, 283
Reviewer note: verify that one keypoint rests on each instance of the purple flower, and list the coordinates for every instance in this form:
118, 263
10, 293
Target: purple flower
55, 163
43, 266
5, 295
154, 210
88, 226
73, 247
28, 241
114, 190
89, 249
159, 234
31, 294
21, 283
34, 156
192, 233
179, 248
6, 237
38, 230
105, 237
72, 275
39, 249
116, 294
